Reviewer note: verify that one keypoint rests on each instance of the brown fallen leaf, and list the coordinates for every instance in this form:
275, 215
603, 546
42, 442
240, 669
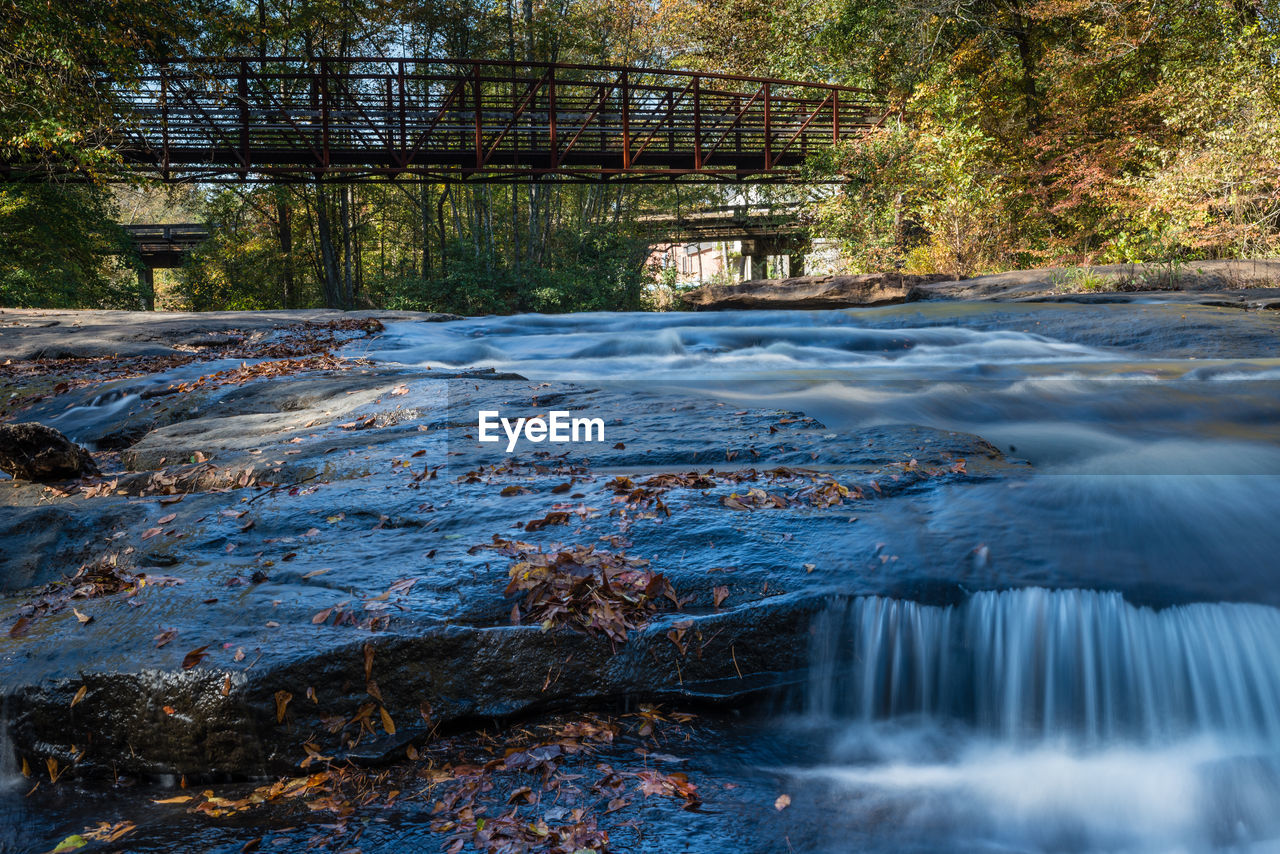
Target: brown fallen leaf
84, 689
165, 636
19, 628
83, 618
150, 532
176, 799
165, 520
194, 657
719, 594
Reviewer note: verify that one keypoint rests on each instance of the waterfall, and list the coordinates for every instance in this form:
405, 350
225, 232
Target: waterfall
1040, 664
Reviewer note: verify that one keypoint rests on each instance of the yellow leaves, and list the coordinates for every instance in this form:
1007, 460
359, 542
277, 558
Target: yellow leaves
84, 689
782, 802
282, 702
387, 723
177, 799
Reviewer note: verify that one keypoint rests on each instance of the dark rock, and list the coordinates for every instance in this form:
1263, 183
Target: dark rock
810, 292
38, 453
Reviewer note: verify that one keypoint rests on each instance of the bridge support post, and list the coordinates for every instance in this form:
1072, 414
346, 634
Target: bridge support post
147, 281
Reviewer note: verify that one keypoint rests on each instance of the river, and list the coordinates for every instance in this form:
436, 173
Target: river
1081, 654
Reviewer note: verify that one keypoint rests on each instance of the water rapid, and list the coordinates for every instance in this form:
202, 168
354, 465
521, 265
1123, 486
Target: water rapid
1108, 676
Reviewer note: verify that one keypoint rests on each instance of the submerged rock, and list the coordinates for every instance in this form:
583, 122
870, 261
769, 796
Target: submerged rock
34, 452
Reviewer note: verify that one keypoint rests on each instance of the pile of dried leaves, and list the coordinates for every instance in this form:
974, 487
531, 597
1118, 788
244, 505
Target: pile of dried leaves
587, 589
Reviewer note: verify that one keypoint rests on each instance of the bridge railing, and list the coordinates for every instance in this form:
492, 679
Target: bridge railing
365, 118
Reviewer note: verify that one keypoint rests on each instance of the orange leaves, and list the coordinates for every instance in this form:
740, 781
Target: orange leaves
675, 785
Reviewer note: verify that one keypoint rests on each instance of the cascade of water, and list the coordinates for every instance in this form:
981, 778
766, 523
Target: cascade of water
1035, 663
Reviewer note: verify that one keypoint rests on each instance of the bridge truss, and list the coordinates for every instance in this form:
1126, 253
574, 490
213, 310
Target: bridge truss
281, 119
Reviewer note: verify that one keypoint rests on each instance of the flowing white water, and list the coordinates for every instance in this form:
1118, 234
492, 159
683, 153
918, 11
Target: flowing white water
1038, 664
1051, 720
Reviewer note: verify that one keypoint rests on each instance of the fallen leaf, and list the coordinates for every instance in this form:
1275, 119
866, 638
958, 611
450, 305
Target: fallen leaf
84, 689
194, 657
387, 724
74, 842
165, 520
83, 618
150, 532
165, 636
720, 594
176, 799
782, 802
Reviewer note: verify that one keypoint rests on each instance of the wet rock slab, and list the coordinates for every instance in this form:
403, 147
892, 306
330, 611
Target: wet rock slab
298, 556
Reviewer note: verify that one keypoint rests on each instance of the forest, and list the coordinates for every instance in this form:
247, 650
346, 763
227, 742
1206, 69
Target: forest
1019, 133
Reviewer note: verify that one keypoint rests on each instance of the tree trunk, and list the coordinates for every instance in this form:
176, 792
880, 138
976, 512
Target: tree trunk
344, 215
328, 257
1027, 61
